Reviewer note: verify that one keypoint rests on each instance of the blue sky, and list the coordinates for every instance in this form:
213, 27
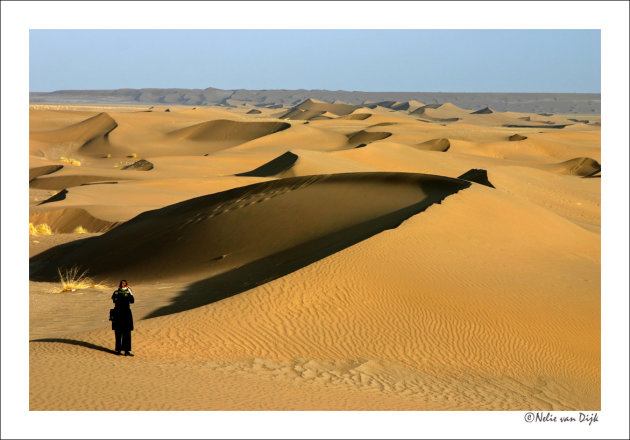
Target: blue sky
554, 61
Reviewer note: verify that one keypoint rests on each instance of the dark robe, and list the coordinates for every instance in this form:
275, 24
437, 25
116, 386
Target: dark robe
123, 319
122, 322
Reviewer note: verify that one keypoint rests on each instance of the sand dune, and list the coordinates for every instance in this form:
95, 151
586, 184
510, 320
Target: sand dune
579, 103
228, 132
580, 166
87, 137
119, 201
64, 221
483, 111
365, 137
142, 165
35, 172
477, 176
324, 213
312, 108
276, 166
442, 144
440, 112
314, 163
535, 126
446, 337
411, 105
309, 137
410, 257
323, 116
81, 133
517, 137
68, 181
355, 116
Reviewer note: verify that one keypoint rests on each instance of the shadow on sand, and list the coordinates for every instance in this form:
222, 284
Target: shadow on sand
269, 268
74, 342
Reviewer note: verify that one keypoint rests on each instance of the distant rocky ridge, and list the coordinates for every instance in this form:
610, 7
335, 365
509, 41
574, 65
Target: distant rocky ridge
578, 103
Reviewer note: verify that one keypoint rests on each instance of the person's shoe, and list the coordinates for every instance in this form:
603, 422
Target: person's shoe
128, 353
118, 353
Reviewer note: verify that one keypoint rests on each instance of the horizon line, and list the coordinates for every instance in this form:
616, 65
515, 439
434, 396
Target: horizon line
307, 90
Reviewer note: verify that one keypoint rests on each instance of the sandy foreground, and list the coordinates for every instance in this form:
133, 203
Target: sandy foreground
320, 257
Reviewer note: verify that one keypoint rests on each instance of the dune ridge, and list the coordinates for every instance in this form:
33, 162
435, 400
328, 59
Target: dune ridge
517, 137
64, 221
580, 166
141, 165
82, 133
35, 172
312, 108
273, 167
228, 132
365, 137
442, 144
483, 111
355, 117
182, 232
67, 181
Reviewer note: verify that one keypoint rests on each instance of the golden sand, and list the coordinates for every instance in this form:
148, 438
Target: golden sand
325, 256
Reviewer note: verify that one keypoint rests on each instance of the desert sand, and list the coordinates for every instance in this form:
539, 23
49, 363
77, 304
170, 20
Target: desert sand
317, 257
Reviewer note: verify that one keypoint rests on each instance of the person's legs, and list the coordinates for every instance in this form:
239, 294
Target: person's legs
126, 341
119, 338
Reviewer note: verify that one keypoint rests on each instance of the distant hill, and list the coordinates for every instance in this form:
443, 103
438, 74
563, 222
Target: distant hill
579, 103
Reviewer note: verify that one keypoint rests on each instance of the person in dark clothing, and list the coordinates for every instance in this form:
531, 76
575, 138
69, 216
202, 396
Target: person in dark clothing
122, 319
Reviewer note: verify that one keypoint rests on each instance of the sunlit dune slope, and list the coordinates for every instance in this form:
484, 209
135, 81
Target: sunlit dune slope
397, 256
312, 108
213, 234
411, 313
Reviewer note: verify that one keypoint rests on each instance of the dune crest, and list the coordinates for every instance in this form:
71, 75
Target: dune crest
141, 165
312, 108
276, 166
355, 116
65, 220
580, 166
35, 172
365, 137
446, 112
517, 137
483, 111
209, 235
442, 144
60, 182
227, 132
477, 176
89, 136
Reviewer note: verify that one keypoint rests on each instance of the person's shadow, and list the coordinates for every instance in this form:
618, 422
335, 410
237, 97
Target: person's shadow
74, 342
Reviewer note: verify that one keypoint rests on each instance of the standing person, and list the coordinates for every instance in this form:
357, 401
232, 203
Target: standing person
122, 322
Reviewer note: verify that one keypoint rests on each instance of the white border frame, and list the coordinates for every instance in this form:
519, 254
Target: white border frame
18, 17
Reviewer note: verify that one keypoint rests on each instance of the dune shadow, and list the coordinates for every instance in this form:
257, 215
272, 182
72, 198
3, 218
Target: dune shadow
264, 270
276, 166
75, 342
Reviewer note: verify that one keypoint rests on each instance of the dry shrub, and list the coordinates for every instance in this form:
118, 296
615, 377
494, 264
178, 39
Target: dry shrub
74, 279
80, 230
70, 161
43, 229
32, 230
